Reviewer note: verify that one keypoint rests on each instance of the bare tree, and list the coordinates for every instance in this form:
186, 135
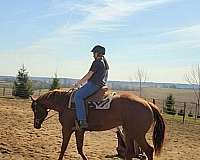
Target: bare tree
193, 78
141, 77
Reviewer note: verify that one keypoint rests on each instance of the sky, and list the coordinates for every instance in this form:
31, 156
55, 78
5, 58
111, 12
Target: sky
160, 37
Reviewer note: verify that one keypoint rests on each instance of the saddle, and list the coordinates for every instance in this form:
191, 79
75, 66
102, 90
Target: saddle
99, 95
99, 100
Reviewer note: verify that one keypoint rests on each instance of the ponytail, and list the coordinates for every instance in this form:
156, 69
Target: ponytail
106, 63
104, 60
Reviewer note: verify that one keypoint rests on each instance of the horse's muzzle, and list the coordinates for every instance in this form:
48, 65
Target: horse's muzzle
37, 124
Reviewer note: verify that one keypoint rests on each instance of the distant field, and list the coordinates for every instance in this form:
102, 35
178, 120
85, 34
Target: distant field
182, 95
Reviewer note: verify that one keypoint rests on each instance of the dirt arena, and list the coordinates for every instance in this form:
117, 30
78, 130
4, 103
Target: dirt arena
20, 141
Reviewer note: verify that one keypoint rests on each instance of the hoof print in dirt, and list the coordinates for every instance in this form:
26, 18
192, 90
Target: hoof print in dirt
4, 150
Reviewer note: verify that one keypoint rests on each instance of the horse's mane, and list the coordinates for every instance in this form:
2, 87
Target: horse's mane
54, 94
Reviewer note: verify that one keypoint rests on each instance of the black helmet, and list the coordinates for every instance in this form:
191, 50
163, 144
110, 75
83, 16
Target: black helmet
99, 49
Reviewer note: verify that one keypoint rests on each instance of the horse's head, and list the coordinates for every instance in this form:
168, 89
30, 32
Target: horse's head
40, 113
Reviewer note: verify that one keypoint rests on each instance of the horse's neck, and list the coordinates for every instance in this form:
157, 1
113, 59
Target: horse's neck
57, 104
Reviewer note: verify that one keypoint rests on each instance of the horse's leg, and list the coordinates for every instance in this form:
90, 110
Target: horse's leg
128, 155
66, 136
141, 140
79, 142
129, 145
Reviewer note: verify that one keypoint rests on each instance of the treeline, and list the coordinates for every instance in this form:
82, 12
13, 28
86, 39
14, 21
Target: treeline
23, 86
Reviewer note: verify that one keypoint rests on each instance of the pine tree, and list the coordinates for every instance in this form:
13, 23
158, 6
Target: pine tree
55, 84
170, 102
22, 85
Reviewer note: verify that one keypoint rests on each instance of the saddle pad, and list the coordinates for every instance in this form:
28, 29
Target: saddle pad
103, 104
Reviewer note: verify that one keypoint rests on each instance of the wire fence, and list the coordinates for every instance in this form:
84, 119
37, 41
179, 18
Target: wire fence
5, 91
184, 109
8, 92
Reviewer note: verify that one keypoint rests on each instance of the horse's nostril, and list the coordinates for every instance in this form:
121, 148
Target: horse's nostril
37, 125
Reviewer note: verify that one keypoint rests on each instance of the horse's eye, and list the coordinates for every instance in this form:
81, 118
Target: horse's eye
34, 106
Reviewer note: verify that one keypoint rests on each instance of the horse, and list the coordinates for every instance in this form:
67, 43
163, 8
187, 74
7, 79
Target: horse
133, 113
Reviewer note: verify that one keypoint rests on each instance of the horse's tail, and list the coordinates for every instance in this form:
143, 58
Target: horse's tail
159, 129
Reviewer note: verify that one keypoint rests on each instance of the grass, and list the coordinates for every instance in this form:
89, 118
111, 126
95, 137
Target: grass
177, 118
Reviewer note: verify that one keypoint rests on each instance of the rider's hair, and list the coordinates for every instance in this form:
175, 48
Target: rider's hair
104, 59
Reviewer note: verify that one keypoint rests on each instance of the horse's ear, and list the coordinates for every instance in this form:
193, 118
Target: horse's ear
33, 99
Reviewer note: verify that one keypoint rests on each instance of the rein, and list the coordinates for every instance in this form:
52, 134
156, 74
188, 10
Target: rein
50, 116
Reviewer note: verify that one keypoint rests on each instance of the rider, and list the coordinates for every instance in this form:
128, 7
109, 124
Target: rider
95, 79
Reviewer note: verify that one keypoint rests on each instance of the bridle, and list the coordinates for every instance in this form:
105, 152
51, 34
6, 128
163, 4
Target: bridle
44, 116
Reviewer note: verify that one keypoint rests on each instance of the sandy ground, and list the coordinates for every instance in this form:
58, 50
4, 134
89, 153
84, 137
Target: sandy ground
20, 141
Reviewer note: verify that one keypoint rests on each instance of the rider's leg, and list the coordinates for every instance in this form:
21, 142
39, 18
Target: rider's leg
88, 89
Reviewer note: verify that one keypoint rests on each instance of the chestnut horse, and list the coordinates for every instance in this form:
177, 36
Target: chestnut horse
133, 113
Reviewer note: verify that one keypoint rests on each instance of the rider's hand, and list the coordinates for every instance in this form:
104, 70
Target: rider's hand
77, 85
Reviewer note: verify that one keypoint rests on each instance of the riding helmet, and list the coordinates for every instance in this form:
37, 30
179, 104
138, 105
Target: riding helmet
99, 49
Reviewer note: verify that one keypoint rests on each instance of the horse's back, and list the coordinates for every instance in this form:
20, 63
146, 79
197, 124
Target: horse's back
134, 103
124, 108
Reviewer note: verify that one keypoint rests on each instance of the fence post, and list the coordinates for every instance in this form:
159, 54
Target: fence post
4, 91
184, 112
163, 106
154, 101
196, 112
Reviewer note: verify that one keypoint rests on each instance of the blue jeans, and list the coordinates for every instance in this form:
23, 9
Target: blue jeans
87, 90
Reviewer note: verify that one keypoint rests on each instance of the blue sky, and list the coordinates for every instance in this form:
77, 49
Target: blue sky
162, 37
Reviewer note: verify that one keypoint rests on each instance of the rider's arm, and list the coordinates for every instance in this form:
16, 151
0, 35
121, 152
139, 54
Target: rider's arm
85, 78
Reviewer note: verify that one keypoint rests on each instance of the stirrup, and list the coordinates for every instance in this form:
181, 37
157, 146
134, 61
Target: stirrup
83, 124
76, 127
79, 126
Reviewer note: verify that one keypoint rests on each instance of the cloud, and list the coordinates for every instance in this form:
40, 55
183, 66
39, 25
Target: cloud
104, 15
186, 36
165, 40
189, 30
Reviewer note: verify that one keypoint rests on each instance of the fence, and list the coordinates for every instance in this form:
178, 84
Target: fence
183, 109
5, 92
